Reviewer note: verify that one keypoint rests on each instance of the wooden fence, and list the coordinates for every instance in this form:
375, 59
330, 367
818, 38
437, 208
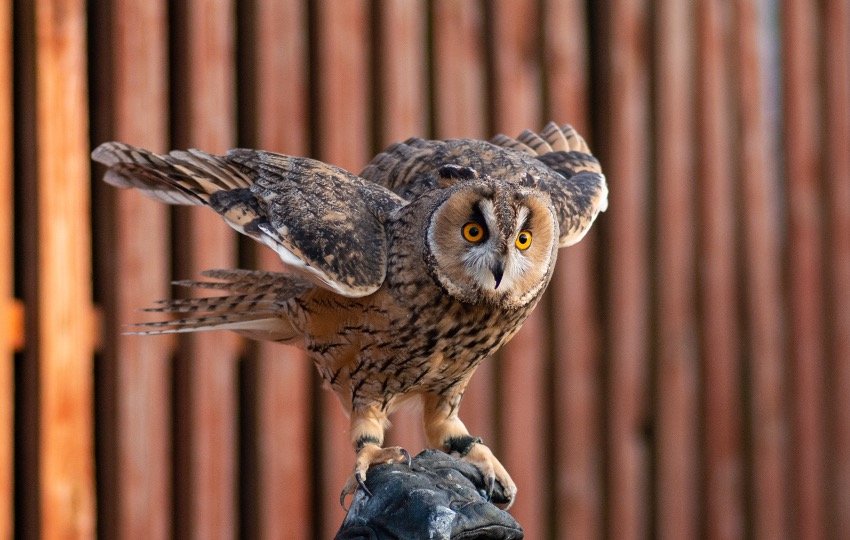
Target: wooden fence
688, 376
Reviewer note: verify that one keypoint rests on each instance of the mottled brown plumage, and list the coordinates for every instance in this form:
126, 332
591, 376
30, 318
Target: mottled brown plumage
403, 279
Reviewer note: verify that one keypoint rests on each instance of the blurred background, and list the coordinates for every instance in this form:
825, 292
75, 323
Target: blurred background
688, 375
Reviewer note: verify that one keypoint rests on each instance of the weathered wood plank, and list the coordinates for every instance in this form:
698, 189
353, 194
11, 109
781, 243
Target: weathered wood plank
206, 400
762, 297
7, 337
717, 280
283, 377
676, 371
836, 34
460, 99
343, 139
65, 322
625, 153
575, 323
801, 148
403, 110
135, 482
523, 420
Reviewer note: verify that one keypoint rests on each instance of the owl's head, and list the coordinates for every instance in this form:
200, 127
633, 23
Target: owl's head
493, 242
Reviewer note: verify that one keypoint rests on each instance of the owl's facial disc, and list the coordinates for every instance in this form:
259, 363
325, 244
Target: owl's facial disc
493, 245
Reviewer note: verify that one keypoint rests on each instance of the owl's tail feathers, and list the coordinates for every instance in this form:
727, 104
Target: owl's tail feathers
260, 310
179, 177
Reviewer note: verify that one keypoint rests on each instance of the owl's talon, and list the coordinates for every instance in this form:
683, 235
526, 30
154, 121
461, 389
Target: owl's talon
407, 458
493, 471
491, 487
360, 476
371, 454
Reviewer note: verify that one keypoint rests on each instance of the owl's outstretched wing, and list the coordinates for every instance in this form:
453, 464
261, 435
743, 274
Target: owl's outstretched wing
321, 220
578, 192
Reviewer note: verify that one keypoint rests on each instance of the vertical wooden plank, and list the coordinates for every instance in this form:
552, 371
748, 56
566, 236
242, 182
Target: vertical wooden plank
522, 429
676, 370
284, 376
458, 64
140, 366
65, 321
459, 101
801, 147
626, 151
343, 139
206, 494
762, 288
836, 32
575, 323
718, 293
7, 392
403, 109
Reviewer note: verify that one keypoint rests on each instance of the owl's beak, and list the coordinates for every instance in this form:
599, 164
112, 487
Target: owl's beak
498, 269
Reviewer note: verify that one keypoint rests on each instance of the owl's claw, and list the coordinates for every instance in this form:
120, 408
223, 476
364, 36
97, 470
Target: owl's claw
493, 471
371, 454
407, 457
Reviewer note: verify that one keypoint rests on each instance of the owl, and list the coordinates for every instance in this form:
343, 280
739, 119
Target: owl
397, 282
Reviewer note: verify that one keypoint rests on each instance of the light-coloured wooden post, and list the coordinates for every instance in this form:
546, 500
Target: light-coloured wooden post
7, 392
65, 321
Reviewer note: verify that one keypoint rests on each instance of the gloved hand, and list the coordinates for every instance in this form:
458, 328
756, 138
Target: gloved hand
438, 497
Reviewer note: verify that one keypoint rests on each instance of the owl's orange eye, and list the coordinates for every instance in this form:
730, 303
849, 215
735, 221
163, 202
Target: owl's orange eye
523, 240
473, 232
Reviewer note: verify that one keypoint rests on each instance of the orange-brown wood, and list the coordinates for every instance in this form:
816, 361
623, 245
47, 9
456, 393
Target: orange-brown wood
8, 332
516, 102
136, 473
624, 150
836, 34
762, 296
801, 145
65, 329
403, 109
575, 324
458, 66
676, 371
206, 468
459, 100
343, 139
723, 467
283, 376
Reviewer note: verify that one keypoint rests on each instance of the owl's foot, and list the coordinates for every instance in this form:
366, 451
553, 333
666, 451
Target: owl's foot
371, 454
483, 459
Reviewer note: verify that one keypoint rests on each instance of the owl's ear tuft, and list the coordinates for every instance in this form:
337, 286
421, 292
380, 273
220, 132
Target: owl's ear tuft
448, 175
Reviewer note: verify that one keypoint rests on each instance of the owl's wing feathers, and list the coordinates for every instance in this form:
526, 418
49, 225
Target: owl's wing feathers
321, 218
579, 192
322, 221
406, 167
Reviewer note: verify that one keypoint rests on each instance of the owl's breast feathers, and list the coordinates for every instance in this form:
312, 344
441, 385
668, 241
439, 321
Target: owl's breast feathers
408, 337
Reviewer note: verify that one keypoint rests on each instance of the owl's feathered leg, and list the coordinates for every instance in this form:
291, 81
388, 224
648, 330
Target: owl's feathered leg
445, 430
367, 435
